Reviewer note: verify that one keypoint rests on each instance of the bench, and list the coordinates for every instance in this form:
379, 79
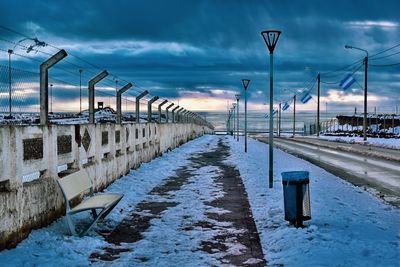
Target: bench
74, 185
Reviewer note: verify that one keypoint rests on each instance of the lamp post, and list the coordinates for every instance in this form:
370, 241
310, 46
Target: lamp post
271, 38
365, 87
237, 116
245, 83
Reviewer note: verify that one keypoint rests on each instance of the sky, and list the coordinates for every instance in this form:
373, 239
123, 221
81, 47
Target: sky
197, 52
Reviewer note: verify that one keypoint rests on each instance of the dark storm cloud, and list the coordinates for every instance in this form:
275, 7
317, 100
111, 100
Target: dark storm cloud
200, 45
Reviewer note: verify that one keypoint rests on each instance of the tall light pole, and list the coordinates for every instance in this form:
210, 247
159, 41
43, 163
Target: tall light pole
365, 87
237, 116
271, 38
245, 83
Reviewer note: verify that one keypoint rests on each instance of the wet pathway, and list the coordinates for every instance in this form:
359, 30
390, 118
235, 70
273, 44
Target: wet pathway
202, 214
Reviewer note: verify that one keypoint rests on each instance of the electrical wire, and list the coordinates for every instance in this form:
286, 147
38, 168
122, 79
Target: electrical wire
390, 48
385, 56
385, 65
107, 80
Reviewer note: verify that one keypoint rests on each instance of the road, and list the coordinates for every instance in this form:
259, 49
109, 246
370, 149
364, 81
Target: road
372, 170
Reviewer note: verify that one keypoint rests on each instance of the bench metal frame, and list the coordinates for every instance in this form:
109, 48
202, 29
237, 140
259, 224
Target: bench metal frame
74, 185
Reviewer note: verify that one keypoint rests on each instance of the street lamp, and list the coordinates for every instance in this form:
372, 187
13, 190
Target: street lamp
271, 38
237, 116
245, 83
365, 87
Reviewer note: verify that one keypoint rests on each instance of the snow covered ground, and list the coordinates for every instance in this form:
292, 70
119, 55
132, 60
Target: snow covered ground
393, 143
54, 246
349, 227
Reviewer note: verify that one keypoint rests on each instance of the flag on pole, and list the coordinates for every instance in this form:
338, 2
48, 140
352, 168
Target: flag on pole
305, 98
273, 113
285, 106
347, 82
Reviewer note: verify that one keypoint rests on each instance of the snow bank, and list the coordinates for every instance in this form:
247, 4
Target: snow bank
349, 227
393, 143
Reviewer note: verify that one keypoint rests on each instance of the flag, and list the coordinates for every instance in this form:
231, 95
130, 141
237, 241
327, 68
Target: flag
306, 97
273, 113
347, 82
285, 106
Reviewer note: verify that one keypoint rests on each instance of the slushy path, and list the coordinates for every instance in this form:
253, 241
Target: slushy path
204, 201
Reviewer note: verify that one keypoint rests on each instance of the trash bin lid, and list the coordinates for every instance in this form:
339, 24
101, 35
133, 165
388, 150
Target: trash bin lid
295, 176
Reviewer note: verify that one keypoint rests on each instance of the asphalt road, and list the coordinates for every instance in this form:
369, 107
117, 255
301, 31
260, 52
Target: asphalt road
372, 170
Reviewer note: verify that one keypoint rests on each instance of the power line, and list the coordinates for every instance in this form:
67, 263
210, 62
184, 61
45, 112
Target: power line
386, 56
393, 47
354, 71
385, 65
342, 68
107, 80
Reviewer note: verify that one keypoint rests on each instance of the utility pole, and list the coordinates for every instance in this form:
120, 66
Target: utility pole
294, 115
279, 119
365, 88
237, 116
365, 97
234, 122
318, 102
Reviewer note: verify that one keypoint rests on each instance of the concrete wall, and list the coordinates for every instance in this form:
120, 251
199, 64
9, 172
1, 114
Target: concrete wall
33, 157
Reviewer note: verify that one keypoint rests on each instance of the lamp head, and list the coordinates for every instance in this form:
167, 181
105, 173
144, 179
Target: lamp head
237, 97
348, 47
245, 83
271, 38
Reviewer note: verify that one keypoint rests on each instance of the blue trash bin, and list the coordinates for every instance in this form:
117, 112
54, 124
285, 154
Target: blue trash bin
296, 196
